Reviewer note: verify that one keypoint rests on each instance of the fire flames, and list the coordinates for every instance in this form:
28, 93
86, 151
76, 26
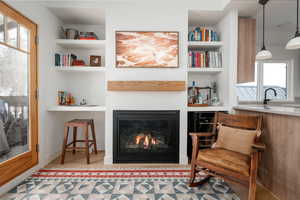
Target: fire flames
146, 140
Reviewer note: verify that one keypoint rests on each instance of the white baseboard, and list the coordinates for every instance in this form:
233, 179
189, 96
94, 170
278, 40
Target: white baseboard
183, 159
108, 160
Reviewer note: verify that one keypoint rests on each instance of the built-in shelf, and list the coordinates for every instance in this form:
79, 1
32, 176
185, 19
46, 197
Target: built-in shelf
81, 44
205, 70
80, 69
77, 108
215, 44
209, 108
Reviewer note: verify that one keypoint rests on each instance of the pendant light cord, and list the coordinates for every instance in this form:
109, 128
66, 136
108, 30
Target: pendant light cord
297, 31
263, 47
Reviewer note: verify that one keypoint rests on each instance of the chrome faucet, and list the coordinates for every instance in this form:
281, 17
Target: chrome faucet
266, 91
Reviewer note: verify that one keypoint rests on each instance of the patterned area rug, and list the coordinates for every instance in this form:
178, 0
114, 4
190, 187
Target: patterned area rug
117, 184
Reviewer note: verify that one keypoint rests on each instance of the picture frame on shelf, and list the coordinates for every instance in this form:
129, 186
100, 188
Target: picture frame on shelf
199, 96
147, 49
95, 61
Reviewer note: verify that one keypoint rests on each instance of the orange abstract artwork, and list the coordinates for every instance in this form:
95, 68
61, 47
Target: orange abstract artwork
146, 49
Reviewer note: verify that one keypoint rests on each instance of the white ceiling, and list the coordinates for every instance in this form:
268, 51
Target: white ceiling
246, 8
79, 15
197, 17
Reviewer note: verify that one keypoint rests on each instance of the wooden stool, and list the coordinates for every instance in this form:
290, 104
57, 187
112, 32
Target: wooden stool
75, 123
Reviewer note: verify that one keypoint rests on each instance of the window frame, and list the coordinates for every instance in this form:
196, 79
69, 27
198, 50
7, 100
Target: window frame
17, 165
289, 81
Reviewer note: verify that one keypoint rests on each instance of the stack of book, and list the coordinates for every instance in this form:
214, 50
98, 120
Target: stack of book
63, 60
211, 59
87, 36
203, 34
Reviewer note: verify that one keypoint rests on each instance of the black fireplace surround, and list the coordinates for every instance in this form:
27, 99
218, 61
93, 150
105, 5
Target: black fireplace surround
145, 136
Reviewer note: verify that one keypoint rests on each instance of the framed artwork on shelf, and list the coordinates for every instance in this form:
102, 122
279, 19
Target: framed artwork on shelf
95, 61
199, 96
147, 49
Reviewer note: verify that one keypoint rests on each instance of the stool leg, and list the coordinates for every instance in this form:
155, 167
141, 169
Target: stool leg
94, 136
66, 133
74, 139
86, 131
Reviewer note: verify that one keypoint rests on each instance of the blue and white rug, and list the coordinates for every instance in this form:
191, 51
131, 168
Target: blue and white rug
117, 184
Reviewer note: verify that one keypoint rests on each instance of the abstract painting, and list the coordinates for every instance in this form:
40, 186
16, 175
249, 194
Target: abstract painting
146, 49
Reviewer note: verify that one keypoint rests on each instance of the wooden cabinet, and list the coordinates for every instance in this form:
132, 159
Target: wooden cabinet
279, 164
246, 50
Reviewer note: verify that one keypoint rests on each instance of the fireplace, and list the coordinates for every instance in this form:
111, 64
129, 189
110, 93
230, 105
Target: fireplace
146, 136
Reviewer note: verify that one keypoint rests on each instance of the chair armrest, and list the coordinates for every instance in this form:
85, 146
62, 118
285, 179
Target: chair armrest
258, 146
203, 134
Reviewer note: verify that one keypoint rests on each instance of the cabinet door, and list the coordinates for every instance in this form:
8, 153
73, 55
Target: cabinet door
246, 50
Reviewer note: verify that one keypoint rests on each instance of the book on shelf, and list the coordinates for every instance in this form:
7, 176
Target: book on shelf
205, 59
63, 60
203, 34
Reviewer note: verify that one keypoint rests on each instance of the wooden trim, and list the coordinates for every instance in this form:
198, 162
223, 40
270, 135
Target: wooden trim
17, 165
10, 46
5, 9
146, 86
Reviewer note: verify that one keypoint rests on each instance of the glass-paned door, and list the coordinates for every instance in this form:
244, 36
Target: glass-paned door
18, 100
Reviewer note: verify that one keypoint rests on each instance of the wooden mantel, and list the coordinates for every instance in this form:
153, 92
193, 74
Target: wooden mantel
146, 86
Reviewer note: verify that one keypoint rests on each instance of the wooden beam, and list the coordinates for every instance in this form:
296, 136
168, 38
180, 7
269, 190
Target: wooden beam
146, 86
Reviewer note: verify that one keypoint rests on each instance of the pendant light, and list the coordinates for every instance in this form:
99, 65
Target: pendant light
295, 42
263, 54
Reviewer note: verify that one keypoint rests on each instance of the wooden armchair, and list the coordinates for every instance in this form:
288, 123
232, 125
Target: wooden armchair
229, 165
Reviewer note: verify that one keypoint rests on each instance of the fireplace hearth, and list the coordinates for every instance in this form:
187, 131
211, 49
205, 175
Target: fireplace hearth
146, 136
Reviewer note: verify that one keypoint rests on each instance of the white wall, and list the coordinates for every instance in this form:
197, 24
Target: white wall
152, 18
49, 125
228, 26
139, 16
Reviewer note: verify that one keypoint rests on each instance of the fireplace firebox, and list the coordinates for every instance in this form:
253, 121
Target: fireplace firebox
146, 136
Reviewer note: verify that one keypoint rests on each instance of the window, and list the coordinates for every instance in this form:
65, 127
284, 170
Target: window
268, 74
18, 86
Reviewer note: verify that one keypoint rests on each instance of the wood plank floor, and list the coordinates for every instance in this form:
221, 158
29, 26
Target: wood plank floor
78, 161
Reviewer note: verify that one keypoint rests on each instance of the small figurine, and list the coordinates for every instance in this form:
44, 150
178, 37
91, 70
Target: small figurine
83, 102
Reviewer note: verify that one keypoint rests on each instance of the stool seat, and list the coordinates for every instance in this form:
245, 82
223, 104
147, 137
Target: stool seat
79, 122
75, 124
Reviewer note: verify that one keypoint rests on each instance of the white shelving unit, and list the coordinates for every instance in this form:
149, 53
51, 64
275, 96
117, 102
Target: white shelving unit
83, 82
81, 44
215, 44
205, 70
80, 69
224, 75
77, 108
209, 108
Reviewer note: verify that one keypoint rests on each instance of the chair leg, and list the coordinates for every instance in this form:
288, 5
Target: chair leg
253, 174
193, 175
74, 139
86, 131
94, 136
64, 146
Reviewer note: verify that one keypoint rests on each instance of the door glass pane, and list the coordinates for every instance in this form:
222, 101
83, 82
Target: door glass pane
1, 28
12, 32
13, 103
24, 38
248, 91
275, 76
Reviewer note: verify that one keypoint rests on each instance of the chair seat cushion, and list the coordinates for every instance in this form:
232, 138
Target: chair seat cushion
227, 159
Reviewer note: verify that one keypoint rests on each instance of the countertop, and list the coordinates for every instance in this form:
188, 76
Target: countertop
292, 110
